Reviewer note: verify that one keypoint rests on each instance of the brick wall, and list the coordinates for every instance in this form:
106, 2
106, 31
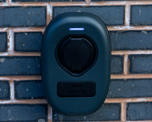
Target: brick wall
22, 23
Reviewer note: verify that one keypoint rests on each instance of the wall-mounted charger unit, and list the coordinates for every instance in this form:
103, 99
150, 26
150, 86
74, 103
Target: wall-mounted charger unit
76, 63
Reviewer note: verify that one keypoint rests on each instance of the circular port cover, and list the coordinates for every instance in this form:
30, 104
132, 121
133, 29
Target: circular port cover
76, 53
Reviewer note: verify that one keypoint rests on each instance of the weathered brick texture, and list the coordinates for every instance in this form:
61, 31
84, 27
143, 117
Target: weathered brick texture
4, 90
106, 112
23, 113
28, 41
19, 66
107, 0
117, 65
46, 0
22, 16
29, 90
111, 15
141, 64
3, 42
131, 40
31, 0
139, 111
131, 88
140, 15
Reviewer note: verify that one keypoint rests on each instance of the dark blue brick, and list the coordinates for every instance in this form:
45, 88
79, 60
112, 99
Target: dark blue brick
108, 0
4, 90
46, 0
130, 88
111, 15
30, 41
139, 111
31, 0
140, 15
140, 64
78, 0
19, 65
116, 64
22, 16
22, 113
28, 89
3, 42
108, 112
131, 40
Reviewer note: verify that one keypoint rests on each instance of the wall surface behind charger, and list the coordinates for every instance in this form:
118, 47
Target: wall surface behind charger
22, 23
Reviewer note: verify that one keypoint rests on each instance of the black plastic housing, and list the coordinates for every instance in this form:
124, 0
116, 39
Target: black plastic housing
77, 86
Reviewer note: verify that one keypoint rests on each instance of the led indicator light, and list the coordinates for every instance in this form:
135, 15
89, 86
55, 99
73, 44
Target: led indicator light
76, 29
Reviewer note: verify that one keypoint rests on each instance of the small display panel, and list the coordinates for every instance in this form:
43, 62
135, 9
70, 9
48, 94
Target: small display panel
76, 89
